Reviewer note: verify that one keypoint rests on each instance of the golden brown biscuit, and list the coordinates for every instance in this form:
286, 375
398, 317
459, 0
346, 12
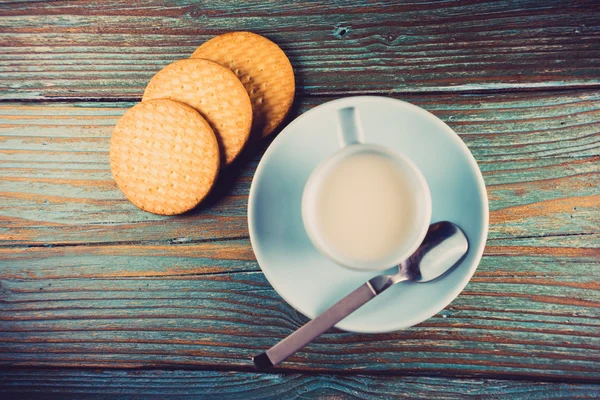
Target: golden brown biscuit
215, 92
263, 68
164, 156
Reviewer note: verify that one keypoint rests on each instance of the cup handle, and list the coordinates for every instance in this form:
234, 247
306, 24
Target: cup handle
349, 127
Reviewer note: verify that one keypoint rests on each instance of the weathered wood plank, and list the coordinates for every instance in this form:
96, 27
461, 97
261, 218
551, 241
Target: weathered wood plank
87, 280
111, 49
539, 154
91, 384
532, 310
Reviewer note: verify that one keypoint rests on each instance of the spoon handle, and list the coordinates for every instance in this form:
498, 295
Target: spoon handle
315, 327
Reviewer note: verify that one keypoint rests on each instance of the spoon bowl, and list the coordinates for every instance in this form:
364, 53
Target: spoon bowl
443, 247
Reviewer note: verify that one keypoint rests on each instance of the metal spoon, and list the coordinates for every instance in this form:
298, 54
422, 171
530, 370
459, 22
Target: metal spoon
444, 245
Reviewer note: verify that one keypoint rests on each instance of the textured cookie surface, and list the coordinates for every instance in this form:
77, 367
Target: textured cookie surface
164, 156
263, 68
215, 92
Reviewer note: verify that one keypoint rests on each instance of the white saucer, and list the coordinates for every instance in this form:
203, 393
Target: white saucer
309, 281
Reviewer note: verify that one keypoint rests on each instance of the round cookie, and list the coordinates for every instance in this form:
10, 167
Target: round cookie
164, 156
263, 68
215, 92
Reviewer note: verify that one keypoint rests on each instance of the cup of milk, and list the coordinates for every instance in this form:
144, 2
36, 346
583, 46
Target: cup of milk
366, 207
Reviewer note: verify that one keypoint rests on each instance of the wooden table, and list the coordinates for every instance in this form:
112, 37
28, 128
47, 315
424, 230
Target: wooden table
98, 298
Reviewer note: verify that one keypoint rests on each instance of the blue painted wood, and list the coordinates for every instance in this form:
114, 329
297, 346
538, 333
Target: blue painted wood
87, 280
538, 152
86, 384
530, 311
111, 49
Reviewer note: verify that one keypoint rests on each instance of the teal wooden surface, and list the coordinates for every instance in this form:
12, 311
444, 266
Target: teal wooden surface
528, 312
89, 281
110, 49
92, 384
538, 153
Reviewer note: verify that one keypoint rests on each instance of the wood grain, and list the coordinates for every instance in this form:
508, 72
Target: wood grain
531, 310
89, 281
539, 153
38, 384
111, 49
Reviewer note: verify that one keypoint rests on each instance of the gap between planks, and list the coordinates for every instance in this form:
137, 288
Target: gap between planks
171, 242
464, 91
180, 242
278, 370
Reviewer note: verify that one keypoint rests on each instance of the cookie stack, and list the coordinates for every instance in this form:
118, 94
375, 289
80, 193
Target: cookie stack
196, 116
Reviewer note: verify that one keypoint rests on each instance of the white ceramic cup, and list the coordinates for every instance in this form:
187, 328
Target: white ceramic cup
350, 136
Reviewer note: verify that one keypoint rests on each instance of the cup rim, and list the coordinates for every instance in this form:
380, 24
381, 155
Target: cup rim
308, 199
